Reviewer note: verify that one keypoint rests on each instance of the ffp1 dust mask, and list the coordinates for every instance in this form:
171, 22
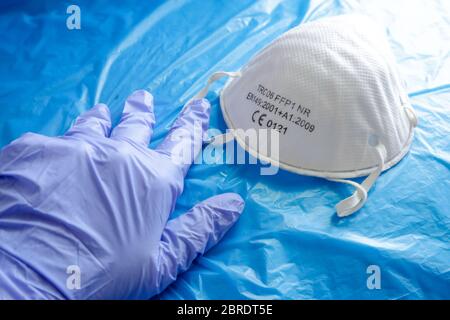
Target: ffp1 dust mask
332, 91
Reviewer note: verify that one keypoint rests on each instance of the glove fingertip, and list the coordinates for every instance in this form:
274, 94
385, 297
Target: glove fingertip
198, 105
226, 204
139, 101
101, 111
202, 102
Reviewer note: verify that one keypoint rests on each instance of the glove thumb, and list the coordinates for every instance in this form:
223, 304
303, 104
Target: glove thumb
193, 233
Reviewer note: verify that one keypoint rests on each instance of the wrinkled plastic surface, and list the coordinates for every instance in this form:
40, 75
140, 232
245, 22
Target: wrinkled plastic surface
288, 242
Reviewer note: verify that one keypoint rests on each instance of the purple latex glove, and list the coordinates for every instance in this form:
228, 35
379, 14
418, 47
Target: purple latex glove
85, 215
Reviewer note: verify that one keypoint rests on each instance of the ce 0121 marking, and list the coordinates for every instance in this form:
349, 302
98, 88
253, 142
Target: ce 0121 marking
262, 120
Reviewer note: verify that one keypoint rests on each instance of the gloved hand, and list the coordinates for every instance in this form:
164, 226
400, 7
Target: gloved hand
85, 215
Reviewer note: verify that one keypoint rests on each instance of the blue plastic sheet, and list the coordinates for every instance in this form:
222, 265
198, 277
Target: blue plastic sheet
288, 244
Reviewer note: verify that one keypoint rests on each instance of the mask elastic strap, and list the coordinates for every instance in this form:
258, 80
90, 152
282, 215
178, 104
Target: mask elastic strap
411, 114
353, 203
213, 78
225, 137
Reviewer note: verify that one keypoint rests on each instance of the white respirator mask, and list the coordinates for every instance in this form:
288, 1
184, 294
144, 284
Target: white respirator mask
331, 90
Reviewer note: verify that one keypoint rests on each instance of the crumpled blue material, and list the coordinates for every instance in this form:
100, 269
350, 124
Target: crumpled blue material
288, 243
